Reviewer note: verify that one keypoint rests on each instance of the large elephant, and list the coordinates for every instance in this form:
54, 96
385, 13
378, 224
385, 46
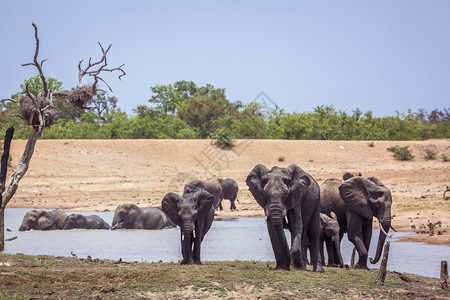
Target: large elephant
85, 222
43, 220
130, 216
290, 198
212, 186
356, 201
329, 233
229, 191
194, 213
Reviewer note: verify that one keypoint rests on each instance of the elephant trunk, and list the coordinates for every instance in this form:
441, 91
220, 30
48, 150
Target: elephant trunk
276, 213
186, 245
385, 225
337, 247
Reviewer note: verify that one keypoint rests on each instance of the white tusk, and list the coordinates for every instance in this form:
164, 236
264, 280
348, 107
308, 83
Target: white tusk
286, 219
182, 236
115, 226
265, 219
381, 228
193, 232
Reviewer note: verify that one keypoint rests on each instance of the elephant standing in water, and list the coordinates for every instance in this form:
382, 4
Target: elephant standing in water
290, 198
85, 222
43, 220
355, 202
229, 191
194, 213
212, 186
130, 216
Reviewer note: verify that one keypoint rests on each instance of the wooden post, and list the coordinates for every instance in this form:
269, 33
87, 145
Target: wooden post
352, 260
382, 274
444, 275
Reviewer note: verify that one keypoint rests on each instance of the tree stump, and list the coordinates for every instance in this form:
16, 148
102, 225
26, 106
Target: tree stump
444, 275
352, 260
382, 274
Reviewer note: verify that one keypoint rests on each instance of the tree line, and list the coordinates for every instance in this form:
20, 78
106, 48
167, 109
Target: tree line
184, 110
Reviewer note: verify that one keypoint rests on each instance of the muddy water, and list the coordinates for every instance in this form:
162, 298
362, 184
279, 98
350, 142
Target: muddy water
228, 239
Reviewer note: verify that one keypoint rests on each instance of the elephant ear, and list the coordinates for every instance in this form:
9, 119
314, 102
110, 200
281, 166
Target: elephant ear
354, 192
169, 205
254, 182
300, 182
45, 220
204, 202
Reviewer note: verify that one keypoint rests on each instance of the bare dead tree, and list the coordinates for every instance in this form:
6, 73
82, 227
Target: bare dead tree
38, 112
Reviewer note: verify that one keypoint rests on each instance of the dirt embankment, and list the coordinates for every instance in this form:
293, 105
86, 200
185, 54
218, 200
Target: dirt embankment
98, 175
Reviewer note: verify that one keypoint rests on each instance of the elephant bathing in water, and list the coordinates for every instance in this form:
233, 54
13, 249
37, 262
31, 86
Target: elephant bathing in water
290, 198
43, 220
229, 191
356, 201
85, 222
194, 213
130, 216
212, 186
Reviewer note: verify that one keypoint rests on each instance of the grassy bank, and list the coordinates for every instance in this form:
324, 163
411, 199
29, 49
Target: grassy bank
24, 277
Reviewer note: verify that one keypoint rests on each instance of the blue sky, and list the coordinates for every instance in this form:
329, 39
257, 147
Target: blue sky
384, 56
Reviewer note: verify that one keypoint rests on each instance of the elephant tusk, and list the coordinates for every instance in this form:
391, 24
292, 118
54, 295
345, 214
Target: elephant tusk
115, 226
394, 229
182, 236
265, 219
193, 233
286, 219
381, 228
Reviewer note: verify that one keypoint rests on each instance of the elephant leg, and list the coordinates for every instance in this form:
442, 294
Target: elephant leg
197, 244
280, 246
233, 206
330, 252
298, 244
355, 235
367, 233
313, 231
322, 254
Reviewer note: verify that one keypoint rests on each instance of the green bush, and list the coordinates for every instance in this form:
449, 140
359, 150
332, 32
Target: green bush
224, 139
281, 158
401, 153
371, 144
430, 154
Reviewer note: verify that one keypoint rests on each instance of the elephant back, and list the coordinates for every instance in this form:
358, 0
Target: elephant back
331, 201
59, 218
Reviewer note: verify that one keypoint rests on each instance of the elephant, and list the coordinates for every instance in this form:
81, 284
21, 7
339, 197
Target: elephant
329, 233
194, 213
355, 202
85, 222
212, 186
43, 220
130, 216
290, 199
229, 191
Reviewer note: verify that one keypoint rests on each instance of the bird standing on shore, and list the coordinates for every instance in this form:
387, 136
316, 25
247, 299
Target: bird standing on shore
412, 225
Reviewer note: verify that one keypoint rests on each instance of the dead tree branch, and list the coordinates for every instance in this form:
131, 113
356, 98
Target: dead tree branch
36, 63
102, 68
382, 274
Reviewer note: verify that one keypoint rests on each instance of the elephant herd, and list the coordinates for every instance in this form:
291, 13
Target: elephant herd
291, 198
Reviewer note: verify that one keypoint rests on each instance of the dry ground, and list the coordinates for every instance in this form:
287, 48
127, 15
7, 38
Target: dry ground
98, 175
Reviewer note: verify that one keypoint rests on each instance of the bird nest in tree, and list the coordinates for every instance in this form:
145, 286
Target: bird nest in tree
30, 110
81, 95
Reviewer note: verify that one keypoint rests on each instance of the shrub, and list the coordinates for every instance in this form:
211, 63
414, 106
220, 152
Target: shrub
430, 154
401, 153
371, 144
445, 157
224, 139
281, 158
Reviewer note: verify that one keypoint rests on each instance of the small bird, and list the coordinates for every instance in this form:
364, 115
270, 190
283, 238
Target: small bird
73, 254
412, 225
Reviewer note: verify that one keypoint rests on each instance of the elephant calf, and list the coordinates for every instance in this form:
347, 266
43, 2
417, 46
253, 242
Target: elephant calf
329, 233
43, 220
85, 222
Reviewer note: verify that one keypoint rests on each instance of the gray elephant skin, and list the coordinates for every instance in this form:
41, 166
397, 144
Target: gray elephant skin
290, 199
329, 234
230, 190
130, 216
194, 213
356, 201
43, 220
212, 186
74, 221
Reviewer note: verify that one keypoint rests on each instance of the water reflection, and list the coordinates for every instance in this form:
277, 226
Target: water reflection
227, 240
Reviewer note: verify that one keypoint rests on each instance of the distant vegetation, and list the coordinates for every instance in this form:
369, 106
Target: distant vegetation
183, 110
